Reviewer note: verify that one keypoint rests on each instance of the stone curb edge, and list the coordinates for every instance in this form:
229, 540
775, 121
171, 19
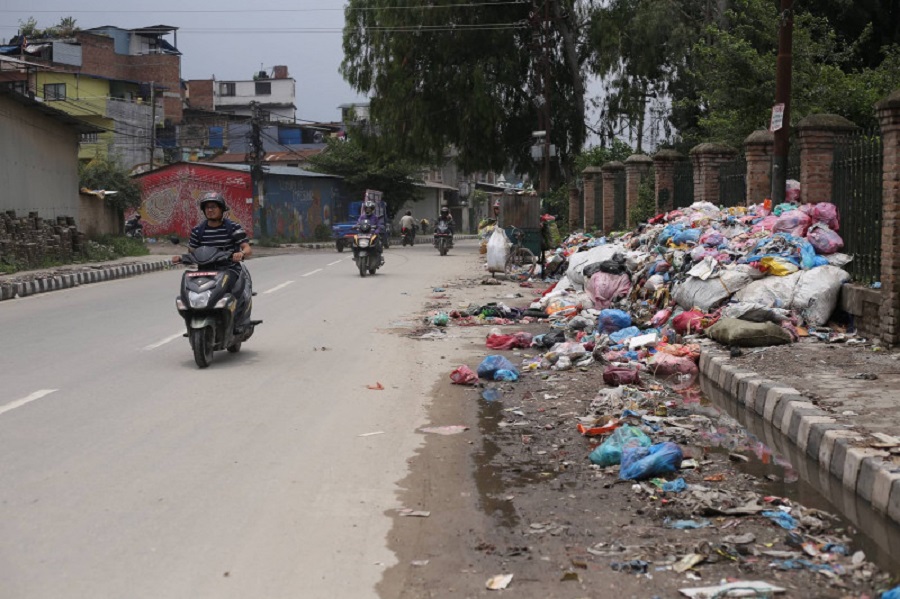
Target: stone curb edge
74, 279
834, 447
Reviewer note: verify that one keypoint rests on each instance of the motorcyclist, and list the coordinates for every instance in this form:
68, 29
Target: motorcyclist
227, 235
446, 217
134, 223
407, 222
368, 213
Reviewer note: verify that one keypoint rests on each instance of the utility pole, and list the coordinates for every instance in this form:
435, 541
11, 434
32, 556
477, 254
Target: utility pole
255, 158
545, 68
781, 112
152, 122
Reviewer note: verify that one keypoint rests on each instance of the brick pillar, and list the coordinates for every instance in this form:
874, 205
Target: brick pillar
664, 171
888, 111
575, 215
609, 170
758, 148
706, 159
816, 134
637, 166
592, 183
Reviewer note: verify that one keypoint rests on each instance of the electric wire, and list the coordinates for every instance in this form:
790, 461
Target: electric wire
275, 10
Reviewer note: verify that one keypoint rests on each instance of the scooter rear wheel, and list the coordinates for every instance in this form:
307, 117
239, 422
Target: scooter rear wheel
234, 347
202, 342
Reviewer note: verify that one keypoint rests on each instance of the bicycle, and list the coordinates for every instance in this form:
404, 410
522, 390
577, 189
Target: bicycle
519, 259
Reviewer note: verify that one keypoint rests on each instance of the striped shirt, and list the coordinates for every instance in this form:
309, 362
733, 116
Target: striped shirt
229, 236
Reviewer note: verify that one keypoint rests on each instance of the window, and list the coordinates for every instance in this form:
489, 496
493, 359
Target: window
54, 91
226, 88
263, 88
90, 138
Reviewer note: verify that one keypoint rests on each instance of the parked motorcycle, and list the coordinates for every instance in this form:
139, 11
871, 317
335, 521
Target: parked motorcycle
408, 236
134, 228
367, 248
443, 241
215, 303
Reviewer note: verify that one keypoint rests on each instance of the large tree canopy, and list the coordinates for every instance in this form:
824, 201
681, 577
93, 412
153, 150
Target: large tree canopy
469, 76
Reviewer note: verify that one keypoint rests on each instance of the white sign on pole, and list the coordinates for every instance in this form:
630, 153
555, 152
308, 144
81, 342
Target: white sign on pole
777, 117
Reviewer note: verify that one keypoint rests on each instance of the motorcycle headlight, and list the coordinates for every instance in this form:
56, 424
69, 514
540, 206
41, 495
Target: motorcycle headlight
363, 242
199, 300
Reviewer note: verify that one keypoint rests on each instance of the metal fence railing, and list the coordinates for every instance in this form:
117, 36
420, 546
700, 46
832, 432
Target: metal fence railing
857, 193
792, 171
683, 184
620, 218
733, 182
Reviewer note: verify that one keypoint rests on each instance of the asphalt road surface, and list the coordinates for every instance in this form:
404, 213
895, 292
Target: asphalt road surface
125, 471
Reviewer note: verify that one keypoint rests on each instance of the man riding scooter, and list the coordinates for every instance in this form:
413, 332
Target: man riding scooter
368, 213
220, 232
446, 218
408, 228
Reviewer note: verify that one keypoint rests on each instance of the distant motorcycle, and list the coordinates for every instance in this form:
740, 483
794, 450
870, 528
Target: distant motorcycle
367, 248
443, 241
134, 228
215, 304
408, 236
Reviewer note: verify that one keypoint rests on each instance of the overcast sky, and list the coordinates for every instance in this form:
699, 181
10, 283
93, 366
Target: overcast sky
227, 39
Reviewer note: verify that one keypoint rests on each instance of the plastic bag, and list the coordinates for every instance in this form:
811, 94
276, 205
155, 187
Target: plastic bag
615, 375
823, 239
827, 214
496, 250
609, 453
463, 376
792, 191
624, 334
610, 321
794, 222
661, 317
688, 322
639, 463
778, 266
491, 364
517, 340
691, 236
605, 288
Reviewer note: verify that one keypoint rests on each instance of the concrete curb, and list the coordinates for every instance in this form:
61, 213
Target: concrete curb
74, 279
838, 450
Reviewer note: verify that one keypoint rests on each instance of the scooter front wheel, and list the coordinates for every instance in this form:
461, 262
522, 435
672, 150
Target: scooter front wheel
202, 343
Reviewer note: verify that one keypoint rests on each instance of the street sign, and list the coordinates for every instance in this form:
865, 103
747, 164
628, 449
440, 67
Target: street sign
777, 117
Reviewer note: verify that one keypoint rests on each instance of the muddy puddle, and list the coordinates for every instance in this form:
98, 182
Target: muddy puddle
790, 473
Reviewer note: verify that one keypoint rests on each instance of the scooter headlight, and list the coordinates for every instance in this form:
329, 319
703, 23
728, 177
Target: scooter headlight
199, 300
363, 242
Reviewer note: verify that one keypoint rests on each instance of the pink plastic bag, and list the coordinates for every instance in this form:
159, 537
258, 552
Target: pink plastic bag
678, 372
688, 322
604, 288
826, 213
464, 376
661, 317
794, 222
824, 240
517, 340
766, 224
792, 191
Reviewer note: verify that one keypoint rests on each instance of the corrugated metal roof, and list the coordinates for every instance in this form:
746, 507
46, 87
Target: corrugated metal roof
289, 171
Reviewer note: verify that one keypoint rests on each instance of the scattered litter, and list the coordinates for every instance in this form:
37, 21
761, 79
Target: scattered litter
376, 387
499, 582
688, 561
452, 429
414, 513
371, 434
740, 588
419, 562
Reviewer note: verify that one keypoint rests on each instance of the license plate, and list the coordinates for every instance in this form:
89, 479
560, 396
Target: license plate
201, 274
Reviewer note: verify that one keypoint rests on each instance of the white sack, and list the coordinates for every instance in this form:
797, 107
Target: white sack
755, 312
817, 293
774, 292
496, 250
709, 294
579, 260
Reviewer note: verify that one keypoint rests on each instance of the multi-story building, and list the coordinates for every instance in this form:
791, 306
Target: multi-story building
274, 93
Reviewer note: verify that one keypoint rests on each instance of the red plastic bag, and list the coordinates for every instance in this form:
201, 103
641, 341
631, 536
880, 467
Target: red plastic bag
615, 375
517, 340
824, 240
826, 213
795, 222
688, 322
464, 376
661, 317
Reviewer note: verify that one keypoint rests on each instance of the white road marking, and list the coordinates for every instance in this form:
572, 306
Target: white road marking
277, 287
21, 402
312, 273
164, 341
335, 262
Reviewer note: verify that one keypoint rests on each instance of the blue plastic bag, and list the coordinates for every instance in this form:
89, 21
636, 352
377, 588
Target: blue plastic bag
782, 519
639, 463
609, 453
626, 333
687, 236
675, 486
668, 232
505, 374
610, 321
491, 364
894, 593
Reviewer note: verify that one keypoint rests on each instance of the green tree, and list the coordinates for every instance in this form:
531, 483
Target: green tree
363, 169
467, 76
29, 28
109, 175
600, 155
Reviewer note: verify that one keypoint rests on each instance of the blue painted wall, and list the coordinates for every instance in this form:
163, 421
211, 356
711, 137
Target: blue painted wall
296, 204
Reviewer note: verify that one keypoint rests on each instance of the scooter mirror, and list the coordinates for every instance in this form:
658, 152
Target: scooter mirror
175, 239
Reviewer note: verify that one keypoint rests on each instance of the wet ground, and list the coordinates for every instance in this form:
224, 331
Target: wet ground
516, 494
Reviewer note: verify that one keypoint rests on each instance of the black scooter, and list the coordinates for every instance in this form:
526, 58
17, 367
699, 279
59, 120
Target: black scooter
215, 303
134, 227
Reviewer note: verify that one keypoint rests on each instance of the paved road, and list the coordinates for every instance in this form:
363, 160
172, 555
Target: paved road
127, 472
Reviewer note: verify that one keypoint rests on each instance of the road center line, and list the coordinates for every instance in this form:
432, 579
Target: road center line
335, 262
21, 402
164, 341
312, 273
277, 287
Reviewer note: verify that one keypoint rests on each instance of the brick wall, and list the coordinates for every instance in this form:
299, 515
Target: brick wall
816, 135
758, 149
592, 183
889, 116
664, 171
610, 169
200, 94
637, 166
31, 242
706, 159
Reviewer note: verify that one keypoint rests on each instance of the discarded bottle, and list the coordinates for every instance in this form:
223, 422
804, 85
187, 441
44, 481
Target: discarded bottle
490, 394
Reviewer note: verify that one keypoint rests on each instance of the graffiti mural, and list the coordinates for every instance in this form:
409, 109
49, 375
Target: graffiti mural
170, 195
297, 205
